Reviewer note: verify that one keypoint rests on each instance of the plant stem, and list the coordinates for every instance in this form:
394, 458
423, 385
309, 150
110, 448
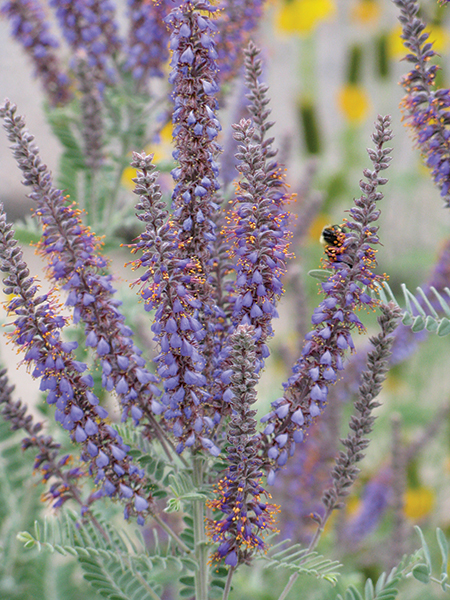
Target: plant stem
227, 587
201, 575
171, 533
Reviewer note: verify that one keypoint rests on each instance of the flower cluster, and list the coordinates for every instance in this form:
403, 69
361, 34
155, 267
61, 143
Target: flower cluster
146, 47
257, 224
165, 286
30, 28
90, 26
37, 327
425, 108
241, 498
306, 391
75, 264
237, 21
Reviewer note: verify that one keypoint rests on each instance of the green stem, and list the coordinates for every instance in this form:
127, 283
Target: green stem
201, 575
227, 588
315, 540
171, 533
287, 589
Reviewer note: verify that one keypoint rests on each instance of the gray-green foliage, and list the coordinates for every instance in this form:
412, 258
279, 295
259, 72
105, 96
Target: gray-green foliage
419, 565
421, 311
299, 560
27, 575
115, 566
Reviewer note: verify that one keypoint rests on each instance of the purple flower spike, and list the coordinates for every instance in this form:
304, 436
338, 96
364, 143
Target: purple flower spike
31, 29
425, 108
35, 317
351, 260
146, 46
240, 490
258, 221
194, 102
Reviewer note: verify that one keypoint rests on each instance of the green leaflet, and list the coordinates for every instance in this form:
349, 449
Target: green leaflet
113, 566
423, 572
299, 560
420, 310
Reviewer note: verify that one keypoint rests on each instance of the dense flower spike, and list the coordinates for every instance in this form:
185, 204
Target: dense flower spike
247, 516
194, 80
89, 25
352, 264
425, 108
260, 241
237, 21
37, 328
75, 264
165, 287
30, 28
48, 463
147, 45
258, 221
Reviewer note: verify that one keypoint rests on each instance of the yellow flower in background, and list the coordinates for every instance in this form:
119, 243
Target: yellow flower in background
354, 102
419, 502
162, 152
303, 16
396, 49
438, 36
366, 12
316, 227
352, 505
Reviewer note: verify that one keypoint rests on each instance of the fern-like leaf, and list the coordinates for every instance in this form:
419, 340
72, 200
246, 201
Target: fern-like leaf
420, 311
112, 566
299, 560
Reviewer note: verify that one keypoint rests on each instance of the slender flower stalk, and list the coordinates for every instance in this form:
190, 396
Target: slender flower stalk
75, 264
194, 80
30, 28
257, 230
37, 332
352, 259
247, 516
91, 113
345, 472
425, 108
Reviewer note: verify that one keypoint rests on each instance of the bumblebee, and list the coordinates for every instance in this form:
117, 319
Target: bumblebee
333, 238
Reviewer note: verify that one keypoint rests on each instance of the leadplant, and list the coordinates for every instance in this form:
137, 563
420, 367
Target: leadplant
158, 471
